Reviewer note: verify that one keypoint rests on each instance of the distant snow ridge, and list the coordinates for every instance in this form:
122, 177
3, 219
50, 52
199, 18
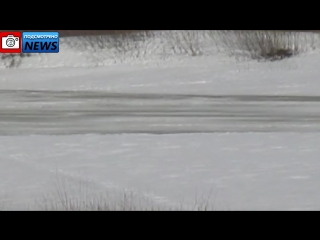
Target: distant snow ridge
137, 48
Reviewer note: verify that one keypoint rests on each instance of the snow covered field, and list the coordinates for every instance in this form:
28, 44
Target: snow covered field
170, 130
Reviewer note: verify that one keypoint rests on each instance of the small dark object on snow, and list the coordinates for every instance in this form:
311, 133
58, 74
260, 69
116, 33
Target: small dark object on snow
278, 54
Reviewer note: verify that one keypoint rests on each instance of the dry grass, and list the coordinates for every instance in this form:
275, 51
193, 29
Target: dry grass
125, 45
82, 196
267, 45
128, 202
185, 42
65, 200
119, 44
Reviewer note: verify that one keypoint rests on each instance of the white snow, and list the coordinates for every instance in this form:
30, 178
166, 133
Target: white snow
257, 171
172, 130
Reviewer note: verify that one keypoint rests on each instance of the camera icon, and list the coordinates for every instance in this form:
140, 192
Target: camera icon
10, 42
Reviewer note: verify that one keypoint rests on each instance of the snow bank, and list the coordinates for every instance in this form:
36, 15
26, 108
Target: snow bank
155, 47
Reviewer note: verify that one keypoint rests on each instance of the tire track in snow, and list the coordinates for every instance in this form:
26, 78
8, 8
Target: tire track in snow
88, 112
